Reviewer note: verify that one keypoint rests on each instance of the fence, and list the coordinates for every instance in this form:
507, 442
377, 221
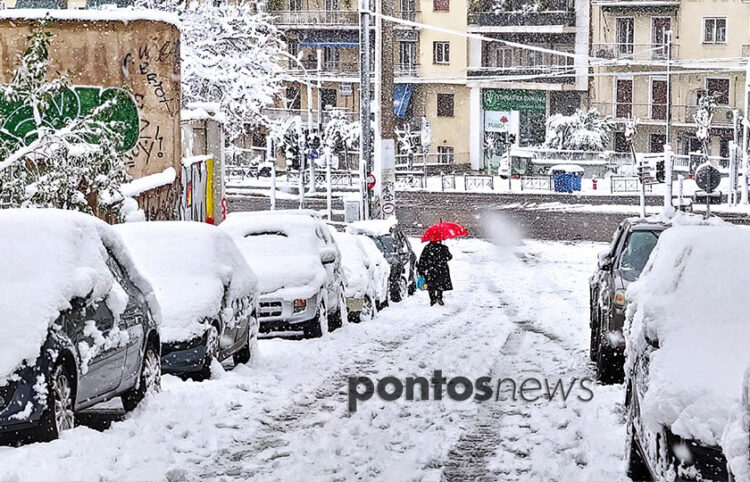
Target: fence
478, 182
619, 184
447, 181
410, 180
536, 183
339, 178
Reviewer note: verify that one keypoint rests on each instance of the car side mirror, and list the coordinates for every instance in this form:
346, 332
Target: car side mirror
78, 303
605, 262
327, 256
652, 342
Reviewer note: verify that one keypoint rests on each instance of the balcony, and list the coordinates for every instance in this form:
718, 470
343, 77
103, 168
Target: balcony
556, 73
633, 51
409, 15
280, 114
657, 113
564, 17
401, 69
314, 18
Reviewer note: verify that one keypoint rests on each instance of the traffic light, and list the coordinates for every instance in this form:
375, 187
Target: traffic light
651, 171
644, 172
657, 169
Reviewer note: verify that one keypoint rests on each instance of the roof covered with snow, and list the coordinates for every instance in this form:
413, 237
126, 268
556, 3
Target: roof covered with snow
104, 15
190, 265
48, 258
282, 249
691, 298
373, 227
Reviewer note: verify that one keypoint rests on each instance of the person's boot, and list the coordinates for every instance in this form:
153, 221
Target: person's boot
440, 302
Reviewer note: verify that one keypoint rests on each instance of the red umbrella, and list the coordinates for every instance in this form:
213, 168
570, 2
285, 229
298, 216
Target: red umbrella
443, 231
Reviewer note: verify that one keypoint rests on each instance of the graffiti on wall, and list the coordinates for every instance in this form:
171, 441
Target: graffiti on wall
19, 127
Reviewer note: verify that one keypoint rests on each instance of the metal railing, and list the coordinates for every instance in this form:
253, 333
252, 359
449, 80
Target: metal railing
554, 155
620, 184
314, 17
536, 183
447, 181
433, 159
409, 69
274, 113
339, 178
474, 182
681, 113
518, 69
410, 180
633, 51
520, 19
409, 15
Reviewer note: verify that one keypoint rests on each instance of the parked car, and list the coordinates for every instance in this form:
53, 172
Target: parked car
358, 287
299, 270
207, 293
687, 334
380, 271
76, 327
618, 266
396, 248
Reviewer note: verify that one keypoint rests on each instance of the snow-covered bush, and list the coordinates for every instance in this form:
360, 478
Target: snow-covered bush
703, 117
582, 131
230, 55
63, 161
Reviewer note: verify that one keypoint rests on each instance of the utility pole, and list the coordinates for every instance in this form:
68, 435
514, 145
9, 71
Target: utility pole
319, 127
668, 42
365, 147
746, 132
385, 145
271, 158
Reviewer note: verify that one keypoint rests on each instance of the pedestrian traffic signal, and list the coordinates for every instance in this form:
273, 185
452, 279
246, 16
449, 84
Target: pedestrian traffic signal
644, 172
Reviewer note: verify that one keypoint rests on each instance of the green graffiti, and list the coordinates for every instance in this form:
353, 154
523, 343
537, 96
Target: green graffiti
18, 126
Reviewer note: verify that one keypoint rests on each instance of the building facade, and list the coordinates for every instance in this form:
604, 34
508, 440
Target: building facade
639, 73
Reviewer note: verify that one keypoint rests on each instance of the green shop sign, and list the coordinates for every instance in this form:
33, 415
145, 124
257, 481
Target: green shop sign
18, 126
511, 99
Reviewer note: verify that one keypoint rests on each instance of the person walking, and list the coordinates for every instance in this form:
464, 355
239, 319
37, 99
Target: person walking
433, 265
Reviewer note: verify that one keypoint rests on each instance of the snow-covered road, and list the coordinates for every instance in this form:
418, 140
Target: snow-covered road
516, 314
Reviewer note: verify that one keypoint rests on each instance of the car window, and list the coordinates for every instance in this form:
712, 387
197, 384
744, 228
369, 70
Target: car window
121, 276
378, 244
637, 250
388, 243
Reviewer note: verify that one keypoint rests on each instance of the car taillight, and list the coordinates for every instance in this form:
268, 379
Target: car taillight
620, 298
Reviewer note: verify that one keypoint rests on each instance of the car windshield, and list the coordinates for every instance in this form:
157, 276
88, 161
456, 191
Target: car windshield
636, 253
387, 242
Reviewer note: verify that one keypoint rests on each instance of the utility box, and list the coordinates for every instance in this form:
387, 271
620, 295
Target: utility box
351, 209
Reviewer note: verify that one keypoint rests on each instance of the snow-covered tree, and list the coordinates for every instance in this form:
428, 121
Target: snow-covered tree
703, 117
52, 160
582, 131
230, 55
341, 135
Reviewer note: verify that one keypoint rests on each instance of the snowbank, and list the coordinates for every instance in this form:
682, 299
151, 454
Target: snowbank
48, 257
374, 227
189, 265
117, 15
282, 249
356, 265
691, 297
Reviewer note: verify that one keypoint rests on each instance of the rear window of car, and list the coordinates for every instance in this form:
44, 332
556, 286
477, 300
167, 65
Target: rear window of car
388, 243
266, 233
637, 250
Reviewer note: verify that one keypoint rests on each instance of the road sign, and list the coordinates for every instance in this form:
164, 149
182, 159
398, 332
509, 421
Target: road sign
707, 177
389, 208
371, 181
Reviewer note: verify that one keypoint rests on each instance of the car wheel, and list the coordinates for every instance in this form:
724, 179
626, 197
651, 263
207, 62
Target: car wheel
636, 464
148, 382
317, 325
59, 415
594, 343
399, 291
212, 352
340, 316
609, 368
368, 310
246, 353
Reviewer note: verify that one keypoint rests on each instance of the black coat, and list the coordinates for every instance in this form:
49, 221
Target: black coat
433, 265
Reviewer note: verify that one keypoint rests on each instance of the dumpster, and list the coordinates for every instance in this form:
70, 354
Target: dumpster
566, 177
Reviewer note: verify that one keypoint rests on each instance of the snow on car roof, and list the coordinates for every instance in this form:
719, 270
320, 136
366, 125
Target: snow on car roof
691, 297
282, 249
49, 257
373, 227
189, 265
354, 261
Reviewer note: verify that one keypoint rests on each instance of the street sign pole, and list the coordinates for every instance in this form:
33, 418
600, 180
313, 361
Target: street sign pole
365, 147
270, 158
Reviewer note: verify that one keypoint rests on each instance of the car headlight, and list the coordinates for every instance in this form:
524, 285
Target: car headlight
300, 306
620, 299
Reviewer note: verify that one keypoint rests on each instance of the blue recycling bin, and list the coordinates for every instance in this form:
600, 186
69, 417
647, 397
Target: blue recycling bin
567, 178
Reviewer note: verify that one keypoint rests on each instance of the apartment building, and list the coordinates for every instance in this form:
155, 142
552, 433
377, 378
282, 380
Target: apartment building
709, 40
429, 66
528, 64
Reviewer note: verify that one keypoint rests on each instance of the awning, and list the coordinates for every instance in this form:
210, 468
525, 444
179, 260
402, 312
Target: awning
401, 97
320, 42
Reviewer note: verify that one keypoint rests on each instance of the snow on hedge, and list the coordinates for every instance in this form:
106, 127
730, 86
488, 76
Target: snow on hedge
691, 297
48, 258
189, 265
356, 265
282, 249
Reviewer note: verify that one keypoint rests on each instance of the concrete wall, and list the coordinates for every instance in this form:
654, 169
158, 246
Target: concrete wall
141, 56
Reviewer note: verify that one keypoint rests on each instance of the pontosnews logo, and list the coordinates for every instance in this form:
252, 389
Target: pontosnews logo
461, 389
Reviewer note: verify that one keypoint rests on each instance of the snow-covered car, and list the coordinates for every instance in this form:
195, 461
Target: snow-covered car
298, 266
358, 285
617, 268
207, 293
380, 271
76, 327
397, 250
687, 336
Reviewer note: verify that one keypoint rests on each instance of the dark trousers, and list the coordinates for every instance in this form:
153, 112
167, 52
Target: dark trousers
435, 295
